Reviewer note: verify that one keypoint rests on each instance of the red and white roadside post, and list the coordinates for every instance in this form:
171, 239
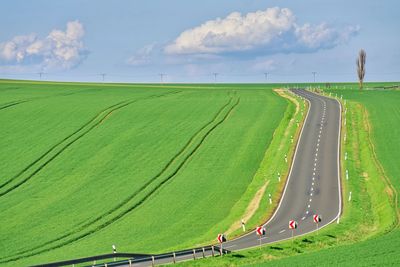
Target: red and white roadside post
317, 220
260, 231
292, 226
221, 239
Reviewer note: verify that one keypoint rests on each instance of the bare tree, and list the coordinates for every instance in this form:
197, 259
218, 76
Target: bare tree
361, 67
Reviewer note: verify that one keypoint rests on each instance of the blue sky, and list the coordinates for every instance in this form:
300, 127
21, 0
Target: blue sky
188, 41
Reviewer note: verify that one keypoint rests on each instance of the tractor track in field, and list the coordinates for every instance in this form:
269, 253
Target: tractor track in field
17, 102
216, 121
12, 103
61, 146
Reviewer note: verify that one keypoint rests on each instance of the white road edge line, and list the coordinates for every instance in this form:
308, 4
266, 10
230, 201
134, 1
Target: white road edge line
338, 162
287, 182
291, 167
289, 175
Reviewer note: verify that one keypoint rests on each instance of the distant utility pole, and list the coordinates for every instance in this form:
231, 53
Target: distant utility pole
162, 77
215, 77
314, 73
103, 75
41, 74
266, 76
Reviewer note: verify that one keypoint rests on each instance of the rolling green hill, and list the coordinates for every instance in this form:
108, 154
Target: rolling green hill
383, 107
144, 167
368, 233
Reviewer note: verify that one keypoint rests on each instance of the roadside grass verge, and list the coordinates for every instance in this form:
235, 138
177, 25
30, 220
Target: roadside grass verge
367, 217
272, 171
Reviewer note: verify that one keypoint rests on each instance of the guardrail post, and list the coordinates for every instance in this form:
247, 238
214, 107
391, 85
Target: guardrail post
212, 251
130, 262
194, 254
174, 257
204, 254
105, 264
152, 261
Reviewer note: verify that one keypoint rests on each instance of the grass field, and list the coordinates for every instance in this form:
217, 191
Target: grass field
145, 167
383, 113
368, 233
152, 168
382, 110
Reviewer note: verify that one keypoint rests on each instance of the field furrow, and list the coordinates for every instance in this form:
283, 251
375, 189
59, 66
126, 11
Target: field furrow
138, 197
36, 166
21, 101
12, 103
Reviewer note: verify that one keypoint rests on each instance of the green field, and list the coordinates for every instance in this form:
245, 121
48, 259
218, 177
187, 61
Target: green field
145, 167
383, 107
383, 113
153, 168
368, 233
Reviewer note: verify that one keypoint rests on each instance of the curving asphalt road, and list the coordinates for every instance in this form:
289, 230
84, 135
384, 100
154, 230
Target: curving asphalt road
312, 187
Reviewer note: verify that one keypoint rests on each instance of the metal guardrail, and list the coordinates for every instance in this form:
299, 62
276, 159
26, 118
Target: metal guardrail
92, 259
171, 257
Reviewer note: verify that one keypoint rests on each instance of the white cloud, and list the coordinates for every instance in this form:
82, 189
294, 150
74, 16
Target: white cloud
142, 56
321, 36
59, 50
15, 50
274, 30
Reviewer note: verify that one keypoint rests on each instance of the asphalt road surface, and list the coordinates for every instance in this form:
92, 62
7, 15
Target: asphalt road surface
313, 184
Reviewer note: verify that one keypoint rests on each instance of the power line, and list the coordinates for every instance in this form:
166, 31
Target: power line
147, 77
41, 74
161, 77
314, 73
215, 77
266, 76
